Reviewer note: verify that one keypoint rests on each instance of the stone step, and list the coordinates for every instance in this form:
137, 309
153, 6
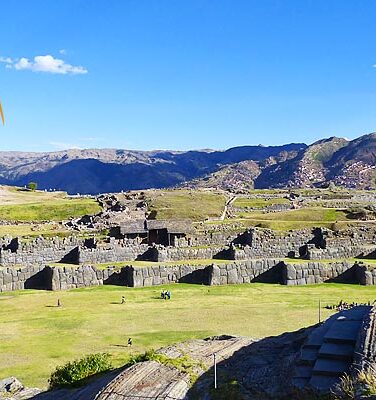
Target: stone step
328, 367
339, 351
308, 356
300, 382
343, 331
303, 371
323, 383
316, 338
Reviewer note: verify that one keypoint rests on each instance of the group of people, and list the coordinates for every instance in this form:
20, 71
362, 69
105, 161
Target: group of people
343, 305
165, 295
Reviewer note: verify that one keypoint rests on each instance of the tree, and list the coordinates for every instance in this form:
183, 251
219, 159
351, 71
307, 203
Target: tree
32, 186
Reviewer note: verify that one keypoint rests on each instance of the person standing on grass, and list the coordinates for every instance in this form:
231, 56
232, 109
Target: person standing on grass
122, 300
130, 341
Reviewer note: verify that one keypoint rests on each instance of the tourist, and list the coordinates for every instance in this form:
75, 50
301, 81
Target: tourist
130, 342
59, 303
122, 300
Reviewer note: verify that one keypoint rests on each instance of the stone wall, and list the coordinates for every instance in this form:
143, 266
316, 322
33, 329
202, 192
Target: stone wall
315, 244
38, 251
215, 274
237, 272
112, 253
366, 274
62, 278
32, 277
344, 250
317, 272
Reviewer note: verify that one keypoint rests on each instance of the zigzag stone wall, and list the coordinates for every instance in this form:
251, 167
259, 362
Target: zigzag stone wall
22, 278
317, 272
237, 272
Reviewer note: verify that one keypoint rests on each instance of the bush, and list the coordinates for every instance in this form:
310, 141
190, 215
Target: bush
361, 384
32, 186
75, 372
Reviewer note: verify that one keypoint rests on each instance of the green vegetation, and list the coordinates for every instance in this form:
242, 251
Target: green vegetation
93, 320
332, 260
304, 215
51, 210
32, 186
351, 387
15, 195
196, 205
244, 202
293, 219
75, 373
184, 363
31, 230
207, 261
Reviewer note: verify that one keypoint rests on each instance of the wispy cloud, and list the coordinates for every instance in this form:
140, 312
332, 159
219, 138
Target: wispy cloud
64, 145
91, 139
6, 60
45, 63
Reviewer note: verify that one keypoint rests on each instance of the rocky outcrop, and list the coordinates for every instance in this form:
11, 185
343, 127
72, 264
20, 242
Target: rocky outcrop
12, 389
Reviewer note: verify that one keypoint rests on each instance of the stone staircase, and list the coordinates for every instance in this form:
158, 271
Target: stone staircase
329, 350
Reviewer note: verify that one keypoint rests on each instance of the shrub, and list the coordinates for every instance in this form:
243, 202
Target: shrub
362, 384
32, 186
75, 372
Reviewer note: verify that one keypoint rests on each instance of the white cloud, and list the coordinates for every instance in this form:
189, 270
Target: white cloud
64, 146
45, 63
91, 139
63, 52
6, 60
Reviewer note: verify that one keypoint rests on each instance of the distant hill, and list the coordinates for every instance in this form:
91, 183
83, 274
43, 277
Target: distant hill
109, 170
348, 163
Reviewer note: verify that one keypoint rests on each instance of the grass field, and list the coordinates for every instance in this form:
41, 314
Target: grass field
244, 202
36, 336
49, 210
15, 195
186, 204
18, 204
293, 219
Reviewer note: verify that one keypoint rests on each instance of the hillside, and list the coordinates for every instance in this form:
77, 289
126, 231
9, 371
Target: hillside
350, 164
109, 170
346, 163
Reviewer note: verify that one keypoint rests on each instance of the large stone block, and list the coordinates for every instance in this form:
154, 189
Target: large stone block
214, 275
232, 277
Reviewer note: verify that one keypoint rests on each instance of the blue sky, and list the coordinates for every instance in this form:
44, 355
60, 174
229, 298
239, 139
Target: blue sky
174, 74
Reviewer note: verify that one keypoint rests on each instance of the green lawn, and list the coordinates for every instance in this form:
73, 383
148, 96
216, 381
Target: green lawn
244, 202
195, 205
51, 210
35, 336
294, 219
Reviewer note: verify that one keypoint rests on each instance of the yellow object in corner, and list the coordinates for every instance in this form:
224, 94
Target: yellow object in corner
2, 114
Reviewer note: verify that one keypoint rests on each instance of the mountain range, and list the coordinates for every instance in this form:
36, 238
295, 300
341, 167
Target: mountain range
351, 164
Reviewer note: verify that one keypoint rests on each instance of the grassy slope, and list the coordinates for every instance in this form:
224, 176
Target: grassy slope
23, 205
35, 336
292, 219
54, 210
185, 204
258, 202
14, 195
